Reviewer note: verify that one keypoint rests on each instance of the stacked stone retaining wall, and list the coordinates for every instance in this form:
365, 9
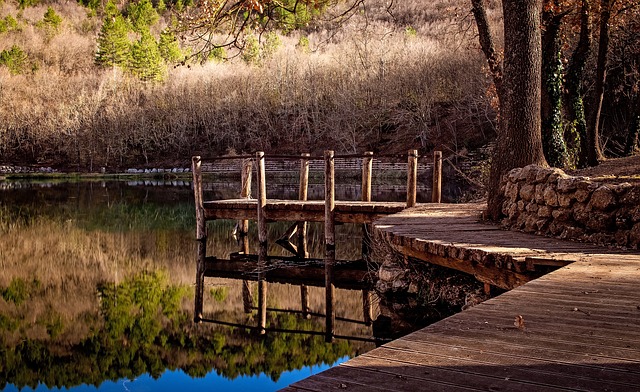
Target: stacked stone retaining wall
549, 202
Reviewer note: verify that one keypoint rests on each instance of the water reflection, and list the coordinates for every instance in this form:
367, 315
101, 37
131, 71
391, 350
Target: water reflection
97, 289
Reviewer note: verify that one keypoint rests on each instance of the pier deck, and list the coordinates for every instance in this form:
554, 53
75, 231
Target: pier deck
298, 210
575, 328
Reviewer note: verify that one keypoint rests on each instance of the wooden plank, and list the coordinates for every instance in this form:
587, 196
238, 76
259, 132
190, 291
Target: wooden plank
484, 371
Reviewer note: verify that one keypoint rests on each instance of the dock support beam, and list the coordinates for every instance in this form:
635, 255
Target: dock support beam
329, 241
302, 195
201, 236
302, 230
412, 177
245, 193
367, 169
436, 190
262, 239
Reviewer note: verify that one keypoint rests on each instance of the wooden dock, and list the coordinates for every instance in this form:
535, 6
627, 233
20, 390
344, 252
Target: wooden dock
576, 328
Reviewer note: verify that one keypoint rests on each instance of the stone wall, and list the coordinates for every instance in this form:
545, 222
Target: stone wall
549, 202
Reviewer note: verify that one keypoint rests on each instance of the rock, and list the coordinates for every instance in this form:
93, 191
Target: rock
631, 197
542, 224
602, 198
530, 224
532, 207
550, 196
561, 215
634, 236
543, 175
582, 195
565, 199
514, 174
571, 232
555, 228
581, 212
527, 192
539, 193
600, 221
511, 191
621, 189
544, 211
567, 184
528, 174
555, 175
622, 237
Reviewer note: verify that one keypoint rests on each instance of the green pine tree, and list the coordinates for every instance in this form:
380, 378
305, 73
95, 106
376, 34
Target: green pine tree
113, 43
146, 62
168, 47
142, 15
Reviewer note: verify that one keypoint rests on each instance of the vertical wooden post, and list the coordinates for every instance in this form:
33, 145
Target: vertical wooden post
201, 236
436, 190
412, 177
262, 306
367, 169
367, 309
245, 193
200, 267
262, 239
329, 240
302, 195
201, 225
302, 230
304, 299
247, 297
262, 200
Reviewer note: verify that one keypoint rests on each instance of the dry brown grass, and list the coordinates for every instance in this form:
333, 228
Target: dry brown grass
367, 85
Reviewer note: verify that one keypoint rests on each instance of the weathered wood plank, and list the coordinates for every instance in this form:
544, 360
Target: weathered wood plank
580, 321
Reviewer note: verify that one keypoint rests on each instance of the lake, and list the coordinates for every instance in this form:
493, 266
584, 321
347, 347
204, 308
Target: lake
97, 293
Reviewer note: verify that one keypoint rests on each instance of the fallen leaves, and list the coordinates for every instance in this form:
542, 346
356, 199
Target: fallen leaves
519, 322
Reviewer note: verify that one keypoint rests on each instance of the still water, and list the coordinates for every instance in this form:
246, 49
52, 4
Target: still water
97, 293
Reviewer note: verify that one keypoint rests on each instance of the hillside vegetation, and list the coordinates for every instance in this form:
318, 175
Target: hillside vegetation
382, 81
110, 84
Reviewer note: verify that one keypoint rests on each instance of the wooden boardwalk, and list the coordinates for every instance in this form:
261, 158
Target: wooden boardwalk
300, 210
576, 328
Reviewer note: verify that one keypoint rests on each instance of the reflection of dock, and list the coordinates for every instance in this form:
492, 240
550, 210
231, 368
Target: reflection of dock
352, 275
329, 272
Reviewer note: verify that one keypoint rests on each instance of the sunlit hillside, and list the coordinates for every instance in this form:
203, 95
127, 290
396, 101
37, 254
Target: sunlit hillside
386, 79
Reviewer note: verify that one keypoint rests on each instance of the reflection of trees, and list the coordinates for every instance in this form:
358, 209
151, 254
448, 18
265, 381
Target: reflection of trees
143, 329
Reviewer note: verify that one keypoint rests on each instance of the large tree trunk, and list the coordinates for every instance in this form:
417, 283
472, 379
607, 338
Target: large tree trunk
519, 140
553, 144
575, 95
594, 152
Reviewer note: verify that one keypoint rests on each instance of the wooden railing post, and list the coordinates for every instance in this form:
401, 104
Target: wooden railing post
262, 200
412, 178
436, 190
329, 240
367, 169
245, 193
201, 224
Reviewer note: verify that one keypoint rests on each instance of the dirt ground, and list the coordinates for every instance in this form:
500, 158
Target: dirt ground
614, 170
